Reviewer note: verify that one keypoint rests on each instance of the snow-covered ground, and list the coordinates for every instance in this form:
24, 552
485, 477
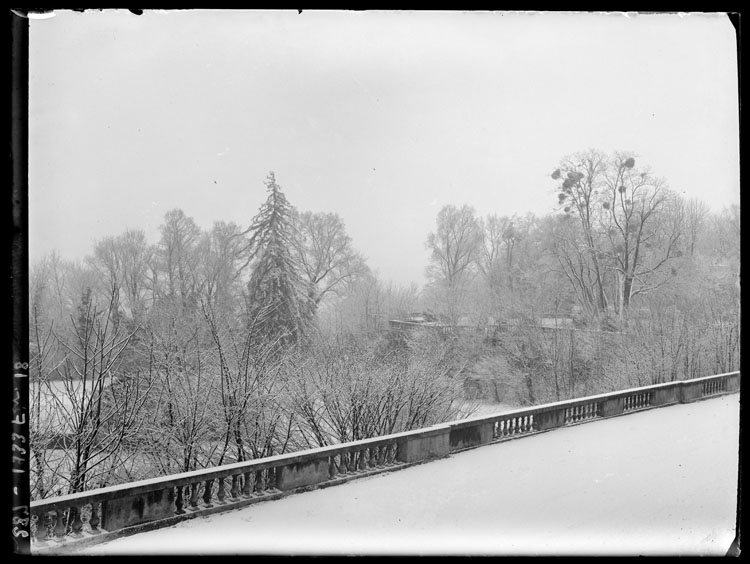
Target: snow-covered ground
659, 482
475, 408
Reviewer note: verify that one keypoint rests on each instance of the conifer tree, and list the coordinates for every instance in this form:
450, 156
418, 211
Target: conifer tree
279, 308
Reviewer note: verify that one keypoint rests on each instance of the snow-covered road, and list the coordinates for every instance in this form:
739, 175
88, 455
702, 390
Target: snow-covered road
659, 482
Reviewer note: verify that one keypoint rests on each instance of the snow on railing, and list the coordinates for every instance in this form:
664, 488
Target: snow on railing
68, 522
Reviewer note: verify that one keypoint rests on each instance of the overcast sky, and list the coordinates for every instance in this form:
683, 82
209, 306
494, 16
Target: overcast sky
381, 117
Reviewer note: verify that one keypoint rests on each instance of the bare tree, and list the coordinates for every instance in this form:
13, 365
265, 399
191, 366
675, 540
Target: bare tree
625, 235
453, 247
179, 259
123, 262
324, 250
223, 257
697, 213
252, 386
101, 405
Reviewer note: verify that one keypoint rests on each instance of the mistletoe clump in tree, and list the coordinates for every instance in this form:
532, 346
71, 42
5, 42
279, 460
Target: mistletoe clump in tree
279, 308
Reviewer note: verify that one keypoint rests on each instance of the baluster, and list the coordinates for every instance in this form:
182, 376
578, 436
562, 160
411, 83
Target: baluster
362, 466
179, 502
272, 475
260, 483
207, 493
331, 467
40, 528
390, 454
194, 497
371, 459
59, 530
49, 524
246, 492
234, 489
76, 524
94, 519
344, 467
220, 495
34, 527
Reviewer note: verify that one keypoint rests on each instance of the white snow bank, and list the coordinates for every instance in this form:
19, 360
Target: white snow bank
659, 482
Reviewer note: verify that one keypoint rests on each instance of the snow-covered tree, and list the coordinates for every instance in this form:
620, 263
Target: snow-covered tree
278, 298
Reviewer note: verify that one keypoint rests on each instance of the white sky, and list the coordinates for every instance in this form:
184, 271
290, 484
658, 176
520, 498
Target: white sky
381, 117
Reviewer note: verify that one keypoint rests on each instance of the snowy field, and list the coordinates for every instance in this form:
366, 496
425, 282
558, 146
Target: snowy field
659, 482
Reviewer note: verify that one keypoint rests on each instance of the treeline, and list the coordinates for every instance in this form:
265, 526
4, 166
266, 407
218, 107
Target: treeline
214, 346
626, 283
210, 347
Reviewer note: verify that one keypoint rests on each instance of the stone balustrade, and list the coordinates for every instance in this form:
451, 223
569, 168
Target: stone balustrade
62, 523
